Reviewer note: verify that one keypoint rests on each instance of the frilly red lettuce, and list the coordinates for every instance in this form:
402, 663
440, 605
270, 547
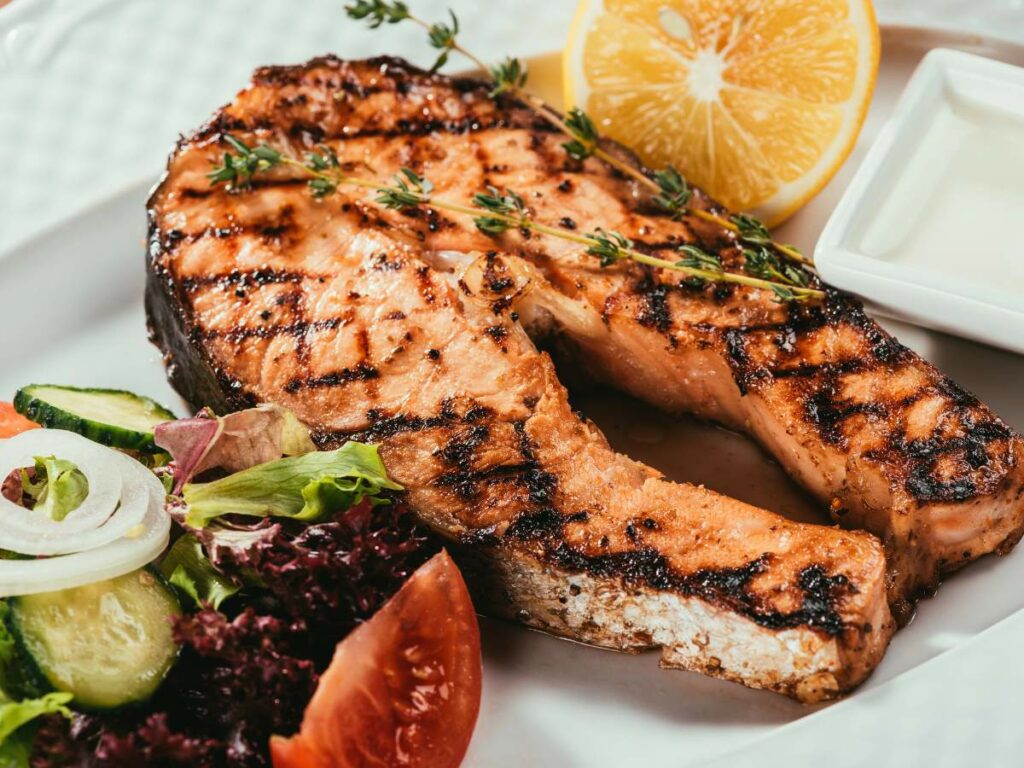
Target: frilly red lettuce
330, 575
235, 684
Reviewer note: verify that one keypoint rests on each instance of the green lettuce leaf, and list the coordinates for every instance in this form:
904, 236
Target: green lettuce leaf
59, 486
15, 714
300, 487
188, 568
15, 732
16, 749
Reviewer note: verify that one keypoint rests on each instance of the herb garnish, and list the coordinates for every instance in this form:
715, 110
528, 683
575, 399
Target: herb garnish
668, 187
494, 212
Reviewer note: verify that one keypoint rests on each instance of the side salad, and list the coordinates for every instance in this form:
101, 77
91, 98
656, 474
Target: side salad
214, 591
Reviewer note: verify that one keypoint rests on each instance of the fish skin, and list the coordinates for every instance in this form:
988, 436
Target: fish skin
346, 314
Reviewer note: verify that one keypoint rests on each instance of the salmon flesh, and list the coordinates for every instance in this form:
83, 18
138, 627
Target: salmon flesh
415, 331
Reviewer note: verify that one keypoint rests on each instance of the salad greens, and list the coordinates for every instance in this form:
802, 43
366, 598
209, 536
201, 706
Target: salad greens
280, 550
299, 487
187, 567
16, 731
234, 442
57, 488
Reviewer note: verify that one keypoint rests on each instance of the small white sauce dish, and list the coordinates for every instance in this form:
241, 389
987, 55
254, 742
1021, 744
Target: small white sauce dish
931, 229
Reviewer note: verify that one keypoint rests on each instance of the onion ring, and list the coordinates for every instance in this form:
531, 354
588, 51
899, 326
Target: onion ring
125, 535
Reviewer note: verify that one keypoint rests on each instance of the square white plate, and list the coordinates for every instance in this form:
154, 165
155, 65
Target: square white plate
925, 227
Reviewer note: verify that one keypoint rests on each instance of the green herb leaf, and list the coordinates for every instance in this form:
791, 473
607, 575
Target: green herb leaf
584, 133
324, 160
187, 567
508, 76
377, 12
509, 210
610, 246
410, 190
321, 187
765, 264
783, 295
675, 192
760, 262
751, 230
239, 169
298, 487
16, 714
697, 258
58, 487
442, 37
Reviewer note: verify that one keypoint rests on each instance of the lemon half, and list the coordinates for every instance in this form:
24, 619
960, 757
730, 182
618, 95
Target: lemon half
757, 102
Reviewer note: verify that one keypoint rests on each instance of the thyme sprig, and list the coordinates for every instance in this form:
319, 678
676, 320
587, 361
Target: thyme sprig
584, 135
584, 139
495, 212
506, 210
409, 190
378, 12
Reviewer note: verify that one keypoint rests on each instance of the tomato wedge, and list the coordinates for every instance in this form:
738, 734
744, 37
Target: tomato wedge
403, 689
13, 423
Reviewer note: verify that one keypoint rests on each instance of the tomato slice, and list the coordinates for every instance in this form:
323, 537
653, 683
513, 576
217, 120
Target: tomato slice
403, 689
13, 423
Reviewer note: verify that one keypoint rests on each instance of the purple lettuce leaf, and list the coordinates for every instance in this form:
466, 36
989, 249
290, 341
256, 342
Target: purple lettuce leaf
234, 442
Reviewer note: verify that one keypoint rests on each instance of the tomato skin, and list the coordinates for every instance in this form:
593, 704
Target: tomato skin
403, 689
13, 423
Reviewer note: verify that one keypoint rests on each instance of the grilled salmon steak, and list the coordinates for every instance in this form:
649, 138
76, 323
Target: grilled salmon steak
415, 331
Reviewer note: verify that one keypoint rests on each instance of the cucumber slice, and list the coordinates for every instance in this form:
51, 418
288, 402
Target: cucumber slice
108, 416
108, 644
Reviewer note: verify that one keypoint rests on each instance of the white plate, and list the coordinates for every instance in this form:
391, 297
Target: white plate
71, 310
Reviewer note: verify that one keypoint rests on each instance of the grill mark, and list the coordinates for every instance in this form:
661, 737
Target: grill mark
921, 482
924, 486
821, 410
654, 311
384, 426
528, 474
645, 566
268, 232
738, 358
313, 133
262, 182
358, 372
465, 484
459, 450
246, 278
425, 284
298, 328
295, 303
810, 370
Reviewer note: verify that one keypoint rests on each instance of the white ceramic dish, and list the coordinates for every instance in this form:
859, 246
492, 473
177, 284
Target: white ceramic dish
922, 228
947, 693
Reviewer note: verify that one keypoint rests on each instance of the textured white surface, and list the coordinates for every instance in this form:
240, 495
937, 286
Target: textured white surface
94, 92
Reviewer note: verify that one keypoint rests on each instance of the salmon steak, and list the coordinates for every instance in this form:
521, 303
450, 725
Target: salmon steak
415, 331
